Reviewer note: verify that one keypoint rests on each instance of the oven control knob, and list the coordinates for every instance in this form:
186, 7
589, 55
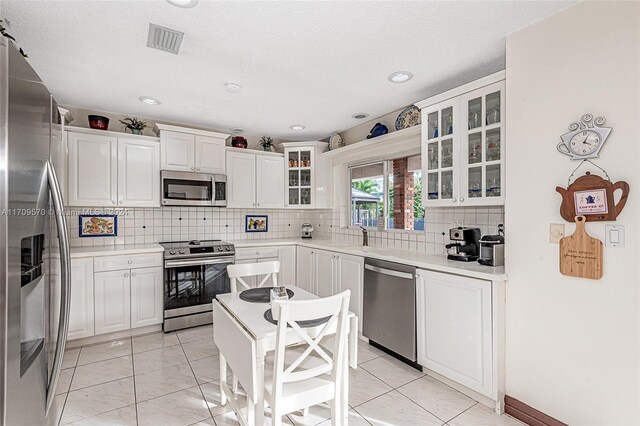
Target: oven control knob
181, 251
172, 252
227, 248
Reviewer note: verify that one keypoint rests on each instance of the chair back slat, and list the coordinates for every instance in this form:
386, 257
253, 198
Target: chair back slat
287, 313
237, 274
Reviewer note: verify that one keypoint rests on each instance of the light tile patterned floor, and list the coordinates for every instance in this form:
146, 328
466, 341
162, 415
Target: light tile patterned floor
172, 379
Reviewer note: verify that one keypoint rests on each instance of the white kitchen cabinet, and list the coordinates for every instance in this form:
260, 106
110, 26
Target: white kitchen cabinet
138, 173
463, 145
147, 288
191, 150
309, 175
350, 276
93, 170
325, 273
109, 170
241, 180
81, 323
454, 328
287, 258
254, 180
112, 301
304, 269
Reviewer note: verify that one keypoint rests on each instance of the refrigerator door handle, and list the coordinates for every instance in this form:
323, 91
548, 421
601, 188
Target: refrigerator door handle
65, 293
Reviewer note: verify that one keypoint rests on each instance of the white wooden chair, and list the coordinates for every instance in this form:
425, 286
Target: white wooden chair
237, 274
308, 374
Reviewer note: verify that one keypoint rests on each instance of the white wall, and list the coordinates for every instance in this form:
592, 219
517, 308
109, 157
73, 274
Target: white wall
572, 344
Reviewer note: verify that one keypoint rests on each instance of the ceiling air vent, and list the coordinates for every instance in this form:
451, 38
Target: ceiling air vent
165, 39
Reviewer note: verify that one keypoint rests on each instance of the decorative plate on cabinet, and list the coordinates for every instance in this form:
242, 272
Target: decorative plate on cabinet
335, 141
409, 117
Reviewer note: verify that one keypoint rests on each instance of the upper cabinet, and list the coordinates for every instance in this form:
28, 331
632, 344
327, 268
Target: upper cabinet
107, 170
255, 179
191, 150
463, 145
308, 175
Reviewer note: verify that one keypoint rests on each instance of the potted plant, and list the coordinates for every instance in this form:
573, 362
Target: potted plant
267, 143
134, 125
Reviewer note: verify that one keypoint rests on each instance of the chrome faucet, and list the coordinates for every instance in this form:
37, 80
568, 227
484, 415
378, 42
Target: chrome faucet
365, 236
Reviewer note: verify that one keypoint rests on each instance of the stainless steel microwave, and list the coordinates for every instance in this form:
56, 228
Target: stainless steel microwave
193, 189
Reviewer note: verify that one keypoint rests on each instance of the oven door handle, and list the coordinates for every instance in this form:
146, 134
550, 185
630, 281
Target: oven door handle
196, 262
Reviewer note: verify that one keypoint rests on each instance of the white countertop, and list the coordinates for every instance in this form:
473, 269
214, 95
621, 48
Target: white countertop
417, 259
77, 252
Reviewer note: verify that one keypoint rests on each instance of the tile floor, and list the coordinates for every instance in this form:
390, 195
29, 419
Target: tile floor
172, 379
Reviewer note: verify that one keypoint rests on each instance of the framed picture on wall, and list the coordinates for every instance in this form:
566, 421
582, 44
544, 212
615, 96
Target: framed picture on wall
256, 223
98, 225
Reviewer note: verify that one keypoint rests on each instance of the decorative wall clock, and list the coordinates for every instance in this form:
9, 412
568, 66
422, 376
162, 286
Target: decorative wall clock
585, 138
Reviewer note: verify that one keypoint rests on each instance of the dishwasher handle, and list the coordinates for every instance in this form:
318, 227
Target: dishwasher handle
391, 272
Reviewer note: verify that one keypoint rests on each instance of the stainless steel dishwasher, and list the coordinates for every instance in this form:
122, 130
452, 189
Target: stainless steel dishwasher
389, 312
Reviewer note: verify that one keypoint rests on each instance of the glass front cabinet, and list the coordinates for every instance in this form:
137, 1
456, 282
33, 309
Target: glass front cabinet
463, 149
307, 176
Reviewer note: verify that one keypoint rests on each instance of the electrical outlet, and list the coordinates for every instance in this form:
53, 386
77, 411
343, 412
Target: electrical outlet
556, 232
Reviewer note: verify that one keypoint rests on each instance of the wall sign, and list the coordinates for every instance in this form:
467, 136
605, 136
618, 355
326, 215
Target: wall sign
592, 196
581, 254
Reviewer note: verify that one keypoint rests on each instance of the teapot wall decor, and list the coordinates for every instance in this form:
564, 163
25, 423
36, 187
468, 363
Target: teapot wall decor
592, 196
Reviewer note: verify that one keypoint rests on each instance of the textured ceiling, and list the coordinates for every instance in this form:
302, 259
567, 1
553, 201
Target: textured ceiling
310, 63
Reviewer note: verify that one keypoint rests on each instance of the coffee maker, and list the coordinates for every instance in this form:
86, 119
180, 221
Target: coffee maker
466, 244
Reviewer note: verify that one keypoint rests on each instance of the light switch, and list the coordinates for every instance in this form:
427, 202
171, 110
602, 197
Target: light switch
556, 232
614, 236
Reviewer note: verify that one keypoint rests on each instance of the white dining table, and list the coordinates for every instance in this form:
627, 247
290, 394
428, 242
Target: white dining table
244, 337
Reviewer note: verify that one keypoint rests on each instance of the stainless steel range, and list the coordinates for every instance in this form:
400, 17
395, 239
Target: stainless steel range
194, 273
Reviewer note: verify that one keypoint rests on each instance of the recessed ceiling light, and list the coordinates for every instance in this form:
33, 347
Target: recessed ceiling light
149, 101
400, 76
237, 129
232, 87
360, 115
297, 127
183, 3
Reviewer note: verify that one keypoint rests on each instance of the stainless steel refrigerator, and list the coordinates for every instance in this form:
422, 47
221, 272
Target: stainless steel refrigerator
34, 250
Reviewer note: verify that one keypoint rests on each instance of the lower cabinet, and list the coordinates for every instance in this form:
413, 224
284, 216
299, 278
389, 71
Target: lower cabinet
325, 273
146, 296
287, 258
113, 301
454, 327
81, 312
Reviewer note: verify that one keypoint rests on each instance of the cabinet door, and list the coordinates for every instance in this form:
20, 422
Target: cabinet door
324, 272
300, 177
146, 296
241, 180
454, 328
138, 173
93, 168
304, 269
351, 277
81, 312
482, 146
440, 135
210, 155
112, 301
287, 258
269, 181
178, 151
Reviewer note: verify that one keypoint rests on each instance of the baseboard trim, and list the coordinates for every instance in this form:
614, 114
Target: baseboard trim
528, 414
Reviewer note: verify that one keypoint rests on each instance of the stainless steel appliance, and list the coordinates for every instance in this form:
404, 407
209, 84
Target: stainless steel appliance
389, 311
34, 249
466, 245
306, 230
492, 250
194, 273
193, 189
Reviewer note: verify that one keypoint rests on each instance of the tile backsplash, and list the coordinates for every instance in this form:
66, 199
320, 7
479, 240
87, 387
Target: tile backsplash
438, 221
152, 225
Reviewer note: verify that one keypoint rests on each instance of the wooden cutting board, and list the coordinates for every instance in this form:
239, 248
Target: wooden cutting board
581, 254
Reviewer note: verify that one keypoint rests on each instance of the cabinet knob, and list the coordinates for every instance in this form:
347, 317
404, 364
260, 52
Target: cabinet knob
113, 201
133, 274
461, 199
193, 168
257, 252
120, 201
126, 275
130, 262
198, 168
